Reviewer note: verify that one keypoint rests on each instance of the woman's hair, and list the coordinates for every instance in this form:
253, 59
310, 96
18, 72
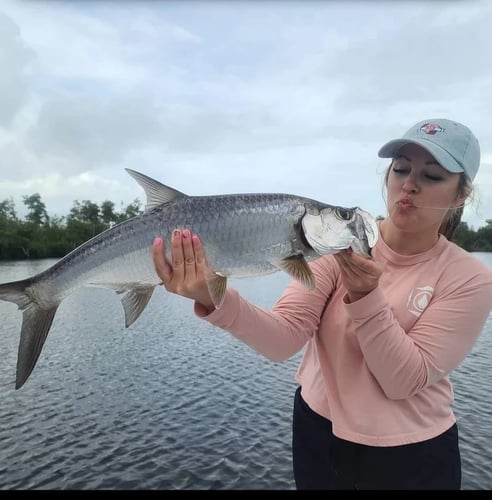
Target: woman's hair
452, 219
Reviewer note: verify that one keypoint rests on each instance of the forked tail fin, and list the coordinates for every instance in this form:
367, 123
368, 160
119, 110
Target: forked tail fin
36, 323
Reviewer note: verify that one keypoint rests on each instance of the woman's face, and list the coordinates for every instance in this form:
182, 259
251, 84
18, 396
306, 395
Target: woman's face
419, 190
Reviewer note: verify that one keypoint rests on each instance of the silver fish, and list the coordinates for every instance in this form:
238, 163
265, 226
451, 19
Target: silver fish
243, 235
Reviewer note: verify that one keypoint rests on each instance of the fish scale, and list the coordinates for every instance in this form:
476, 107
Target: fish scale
243, 235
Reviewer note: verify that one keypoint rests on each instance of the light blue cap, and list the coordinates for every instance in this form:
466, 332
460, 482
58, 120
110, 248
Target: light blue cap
452, 144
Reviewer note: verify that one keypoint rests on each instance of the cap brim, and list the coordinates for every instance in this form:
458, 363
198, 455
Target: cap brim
391, 148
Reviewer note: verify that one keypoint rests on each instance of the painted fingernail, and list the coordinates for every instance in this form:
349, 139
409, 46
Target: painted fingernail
157, 242
186, 233
176, 233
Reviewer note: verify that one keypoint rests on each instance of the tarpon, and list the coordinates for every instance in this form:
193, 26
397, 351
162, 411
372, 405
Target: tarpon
243, 235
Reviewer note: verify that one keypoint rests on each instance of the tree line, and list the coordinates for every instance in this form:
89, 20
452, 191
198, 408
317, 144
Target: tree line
39, 236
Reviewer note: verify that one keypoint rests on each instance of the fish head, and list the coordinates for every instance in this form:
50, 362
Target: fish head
330, 229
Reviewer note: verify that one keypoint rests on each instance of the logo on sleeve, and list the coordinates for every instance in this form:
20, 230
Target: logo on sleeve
419, 299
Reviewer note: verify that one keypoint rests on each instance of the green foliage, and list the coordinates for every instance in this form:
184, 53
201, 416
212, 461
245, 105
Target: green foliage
37, 209
474, 241
38, 236
7, 209
483, 241
464, 236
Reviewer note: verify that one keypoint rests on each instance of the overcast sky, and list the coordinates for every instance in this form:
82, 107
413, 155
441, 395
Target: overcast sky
216, 97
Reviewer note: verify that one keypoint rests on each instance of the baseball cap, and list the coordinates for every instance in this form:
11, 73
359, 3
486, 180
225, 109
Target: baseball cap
452, 144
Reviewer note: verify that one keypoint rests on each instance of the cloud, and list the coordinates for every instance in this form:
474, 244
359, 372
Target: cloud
433, 54
88, 132
210, 97
15, 59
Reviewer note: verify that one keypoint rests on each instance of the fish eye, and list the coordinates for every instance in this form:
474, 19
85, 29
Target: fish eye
343, 213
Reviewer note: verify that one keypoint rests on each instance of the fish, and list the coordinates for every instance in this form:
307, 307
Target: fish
243, 235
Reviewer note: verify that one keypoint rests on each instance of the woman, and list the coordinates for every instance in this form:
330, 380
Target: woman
381, 334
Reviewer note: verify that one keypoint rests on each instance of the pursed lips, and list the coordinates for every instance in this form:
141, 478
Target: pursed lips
405, 203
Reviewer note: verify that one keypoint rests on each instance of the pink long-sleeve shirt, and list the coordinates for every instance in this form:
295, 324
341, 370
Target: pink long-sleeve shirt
378, 368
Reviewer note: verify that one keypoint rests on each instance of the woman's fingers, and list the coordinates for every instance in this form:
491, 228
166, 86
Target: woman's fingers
177, 256
355, 264
200, 259
188, 261
186, 272
161, 265
359, 274
346, 265
188, 255
171, 274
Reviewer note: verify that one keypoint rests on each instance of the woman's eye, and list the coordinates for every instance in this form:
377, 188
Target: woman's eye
406, 171
400, 170
343, 214
433, 177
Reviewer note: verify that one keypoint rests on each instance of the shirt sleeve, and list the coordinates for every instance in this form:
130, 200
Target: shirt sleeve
406, 362
281, 332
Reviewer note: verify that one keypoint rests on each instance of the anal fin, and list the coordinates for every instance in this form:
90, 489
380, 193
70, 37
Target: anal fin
135, 301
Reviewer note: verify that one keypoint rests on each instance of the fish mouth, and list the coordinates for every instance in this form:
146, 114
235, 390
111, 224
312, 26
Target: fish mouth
370, 232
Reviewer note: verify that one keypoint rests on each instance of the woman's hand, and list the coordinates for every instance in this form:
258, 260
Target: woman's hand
186, 274
360, 275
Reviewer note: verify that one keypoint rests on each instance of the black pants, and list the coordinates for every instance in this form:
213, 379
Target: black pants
323, 461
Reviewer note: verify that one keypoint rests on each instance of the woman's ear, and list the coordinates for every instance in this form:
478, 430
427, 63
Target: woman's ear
460, 201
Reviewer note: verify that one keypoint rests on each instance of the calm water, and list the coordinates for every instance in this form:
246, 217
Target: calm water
172, 403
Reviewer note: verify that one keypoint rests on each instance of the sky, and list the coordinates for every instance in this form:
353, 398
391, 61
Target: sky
213, 97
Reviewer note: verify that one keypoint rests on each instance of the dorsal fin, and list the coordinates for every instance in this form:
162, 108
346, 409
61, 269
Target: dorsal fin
156, 193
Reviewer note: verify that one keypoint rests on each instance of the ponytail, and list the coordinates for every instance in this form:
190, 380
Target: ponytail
453, 216
451, 222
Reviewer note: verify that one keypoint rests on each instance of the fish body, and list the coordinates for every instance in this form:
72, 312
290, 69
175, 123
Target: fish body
243, 235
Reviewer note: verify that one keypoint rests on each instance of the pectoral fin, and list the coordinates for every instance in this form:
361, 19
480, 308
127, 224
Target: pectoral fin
217, 286
297, 267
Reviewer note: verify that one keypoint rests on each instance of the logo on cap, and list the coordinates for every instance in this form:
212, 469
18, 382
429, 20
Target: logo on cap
431, 128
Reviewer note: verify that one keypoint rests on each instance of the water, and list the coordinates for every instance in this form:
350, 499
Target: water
172, 402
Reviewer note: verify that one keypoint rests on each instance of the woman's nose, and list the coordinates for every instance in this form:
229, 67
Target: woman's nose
410, 185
